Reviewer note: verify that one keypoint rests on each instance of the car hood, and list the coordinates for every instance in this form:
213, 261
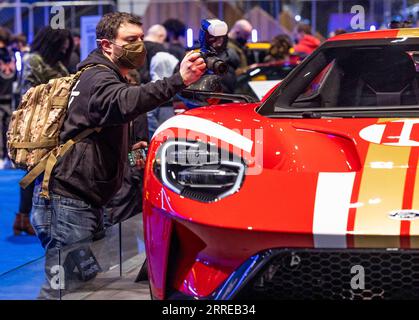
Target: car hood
318, 176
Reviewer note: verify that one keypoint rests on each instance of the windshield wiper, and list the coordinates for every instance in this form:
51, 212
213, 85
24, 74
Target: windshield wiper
344, 114
306, 114
311, 115
347, 109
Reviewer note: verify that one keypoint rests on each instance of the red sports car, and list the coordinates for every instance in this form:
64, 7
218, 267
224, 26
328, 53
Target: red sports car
311, 193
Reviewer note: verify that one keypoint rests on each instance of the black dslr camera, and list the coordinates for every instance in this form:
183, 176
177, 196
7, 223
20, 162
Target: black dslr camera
213, 41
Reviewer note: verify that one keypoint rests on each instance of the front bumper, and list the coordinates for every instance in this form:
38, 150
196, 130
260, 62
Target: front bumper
327, 274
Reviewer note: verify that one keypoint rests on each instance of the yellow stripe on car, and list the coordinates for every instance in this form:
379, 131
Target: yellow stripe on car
381, 191
408, 33
414, 224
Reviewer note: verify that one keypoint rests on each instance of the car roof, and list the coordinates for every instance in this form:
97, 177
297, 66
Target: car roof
379, 34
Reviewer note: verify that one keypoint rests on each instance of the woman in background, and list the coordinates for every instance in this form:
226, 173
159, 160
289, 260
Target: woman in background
281, 48
50, 53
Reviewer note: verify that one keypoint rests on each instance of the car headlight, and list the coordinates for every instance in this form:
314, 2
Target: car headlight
198, 171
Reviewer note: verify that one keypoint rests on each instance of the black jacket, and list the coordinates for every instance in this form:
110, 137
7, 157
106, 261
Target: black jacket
92, 170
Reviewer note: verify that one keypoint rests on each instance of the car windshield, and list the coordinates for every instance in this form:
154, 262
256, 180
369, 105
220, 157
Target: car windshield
349, 76
260, 78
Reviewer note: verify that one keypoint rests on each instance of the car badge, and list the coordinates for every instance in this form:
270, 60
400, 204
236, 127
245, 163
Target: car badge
405, 215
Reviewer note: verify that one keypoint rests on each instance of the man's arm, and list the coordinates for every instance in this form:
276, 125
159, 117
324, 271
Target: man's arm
113, 102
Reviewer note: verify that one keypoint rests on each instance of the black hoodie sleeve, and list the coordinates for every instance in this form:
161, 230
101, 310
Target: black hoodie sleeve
113, 102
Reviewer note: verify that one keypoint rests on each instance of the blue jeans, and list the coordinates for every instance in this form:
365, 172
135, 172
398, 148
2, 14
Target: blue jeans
157, 116
60, 223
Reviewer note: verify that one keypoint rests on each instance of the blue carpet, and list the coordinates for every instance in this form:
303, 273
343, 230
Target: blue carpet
23, 283
14, 250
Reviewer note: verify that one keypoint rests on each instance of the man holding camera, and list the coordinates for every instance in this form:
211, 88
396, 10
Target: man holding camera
91, 172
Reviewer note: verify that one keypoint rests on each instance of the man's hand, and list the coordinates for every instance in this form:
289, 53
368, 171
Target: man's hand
192, 68
140, 164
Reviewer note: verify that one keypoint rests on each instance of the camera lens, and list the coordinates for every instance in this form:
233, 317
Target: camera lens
220, 67
216, 65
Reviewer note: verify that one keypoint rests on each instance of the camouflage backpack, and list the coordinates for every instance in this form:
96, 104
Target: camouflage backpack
34, 130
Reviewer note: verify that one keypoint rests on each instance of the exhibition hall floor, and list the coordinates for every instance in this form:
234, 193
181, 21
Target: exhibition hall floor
14, 250
119, 255
20, 256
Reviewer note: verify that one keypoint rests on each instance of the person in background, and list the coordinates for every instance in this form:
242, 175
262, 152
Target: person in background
306, 42
398, 24
50, 53
281, 48
153, 42
20, 43
408, 24
176, 31
160, 64
237, 39
75, 54
395, 24
21, 48
7, 78
51, 50
337, 32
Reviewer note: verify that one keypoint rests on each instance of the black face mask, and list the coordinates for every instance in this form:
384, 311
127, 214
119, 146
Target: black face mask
241, 41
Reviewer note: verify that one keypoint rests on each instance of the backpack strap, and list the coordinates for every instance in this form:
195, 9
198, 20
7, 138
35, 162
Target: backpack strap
89, 66
50, 159
47, 143
34, 173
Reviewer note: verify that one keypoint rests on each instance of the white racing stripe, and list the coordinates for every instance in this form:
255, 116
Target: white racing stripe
209, 128
331, 210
